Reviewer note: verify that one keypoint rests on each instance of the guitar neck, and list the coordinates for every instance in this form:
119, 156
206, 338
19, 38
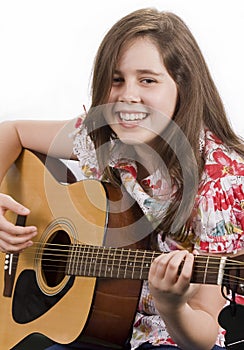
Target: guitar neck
122, 263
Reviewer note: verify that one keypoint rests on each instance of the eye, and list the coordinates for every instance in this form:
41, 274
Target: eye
117, 80
148, 81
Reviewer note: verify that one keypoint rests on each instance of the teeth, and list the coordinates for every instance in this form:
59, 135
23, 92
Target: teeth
132, 116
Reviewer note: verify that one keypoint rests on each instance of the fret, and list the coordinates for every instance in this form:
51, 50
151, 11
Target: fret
90, 259
81, 257
120, 259
134, 265
148, 258
85, 258
107, 267
77, 259
205, 270
127, 260
96, 262
112, 263
143, 265
129, 265
71, 261
67, 269
113, 270
102, 250
74, 259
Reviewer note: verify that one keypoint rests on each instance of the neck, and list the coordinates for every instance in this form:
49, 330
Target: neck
147, 160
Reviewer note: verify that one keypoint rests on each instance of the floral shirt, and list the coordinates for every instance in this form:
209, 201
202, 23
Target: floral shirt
217, 220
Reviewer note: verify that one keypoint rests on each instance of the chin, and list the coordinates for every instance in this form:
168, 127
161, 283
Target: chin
136, 139
131, 142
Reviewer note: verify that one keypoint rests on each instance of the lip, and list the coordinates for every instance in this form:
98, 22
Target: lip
130, 123
132, 116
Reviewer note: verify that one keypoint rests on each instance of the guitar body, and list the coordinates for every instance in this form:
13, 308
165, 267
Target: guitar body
231, 319
36, 294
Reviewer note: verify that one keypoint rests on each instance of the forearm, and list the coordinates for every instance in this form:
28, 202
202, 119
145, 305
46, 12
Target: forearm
10, 146
48, 137
191, 329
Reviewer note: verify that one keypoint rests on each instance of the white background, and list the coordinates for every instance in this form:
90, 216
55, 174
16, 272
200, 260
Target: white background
47, 48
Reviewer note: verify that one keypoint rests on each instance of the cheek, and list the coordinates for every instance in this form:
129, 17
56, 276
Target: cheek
111, 97
168, 105
172, 99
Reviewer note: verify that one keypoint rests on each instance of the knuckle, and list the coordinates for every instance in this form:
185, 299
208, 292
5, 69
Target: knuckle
4, 198
12, 241
185, 275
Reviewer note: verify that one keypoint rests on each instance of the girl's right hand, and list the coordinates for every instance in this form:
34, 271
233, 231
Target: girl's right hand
14, 238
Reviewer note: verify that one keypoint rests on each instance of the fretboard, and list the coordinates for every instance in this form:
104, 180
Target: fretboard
121, 263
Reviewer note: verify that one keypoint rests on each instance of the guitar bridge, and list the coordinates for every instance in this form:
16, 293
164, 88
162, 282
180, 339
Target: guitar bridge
11, 263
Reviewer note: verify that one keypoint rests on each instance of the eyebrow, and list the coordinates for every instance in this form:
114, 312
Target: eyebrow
142, 71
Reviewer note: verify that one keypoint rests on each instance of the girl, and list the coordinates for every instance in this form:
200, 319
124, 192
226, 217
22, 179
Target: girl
156, 126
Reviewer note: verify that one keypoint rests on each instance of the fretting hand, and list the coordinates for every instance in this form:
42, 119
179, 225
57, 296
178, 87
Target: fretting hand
169, 288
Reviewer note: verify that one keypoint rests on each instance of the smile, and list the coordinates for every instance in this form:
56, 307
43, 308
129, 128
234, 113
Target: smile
132, 116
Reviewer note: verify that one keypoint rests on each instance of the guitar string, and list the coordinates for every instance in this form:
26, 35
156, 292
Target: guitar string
104, 270
138, 274
135, 274
115, 255
105, 252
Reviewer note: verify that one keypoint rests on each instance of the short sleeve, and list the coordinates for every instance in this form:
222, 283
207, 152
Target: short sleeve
84, 149
218, 217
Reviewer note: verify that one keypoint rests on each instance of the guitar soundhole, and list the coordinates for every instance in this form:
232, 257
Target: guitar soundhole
54, 258
30, 301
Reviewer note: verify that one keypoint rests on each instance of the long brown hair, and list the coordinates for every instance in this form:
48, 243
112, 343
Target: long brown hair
199, 103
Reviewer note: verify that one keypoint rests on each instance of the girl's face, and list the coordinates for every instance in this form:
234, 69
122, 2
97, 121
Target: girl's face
143, 95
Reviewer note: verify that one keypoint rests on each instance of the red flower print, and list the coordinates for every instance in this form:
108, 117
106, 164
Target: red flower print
146, 183
157, 185
238, 192
239, 299
78, 122
204, 188
215, 138
224, 166
128, 167
220, 202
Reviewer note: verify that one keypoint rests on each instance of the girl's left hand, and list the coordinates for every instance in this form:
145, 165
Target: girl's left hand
169, 286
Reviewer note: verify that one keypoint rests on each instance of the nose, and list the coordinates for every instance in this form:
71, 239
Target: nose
129, 93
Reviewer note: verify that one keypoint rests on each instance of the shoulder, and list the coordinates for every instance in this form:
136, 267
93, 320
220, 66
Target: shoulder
220, 161
219, 206
84, 150
217, 152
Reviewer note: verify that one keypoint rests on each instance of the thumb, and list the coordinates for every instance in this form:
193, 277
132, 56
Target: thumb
8, 203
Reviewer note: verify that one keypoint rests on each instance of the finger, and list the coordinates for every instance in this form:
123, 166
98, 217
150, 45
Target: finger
159, 265
174, 265
16, 239
7, 202
8, 248
10, 228
184, 279
15, 243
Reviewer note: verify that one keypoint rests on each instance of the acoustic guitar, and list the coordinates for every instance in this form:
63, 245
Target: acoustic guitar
82, 276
